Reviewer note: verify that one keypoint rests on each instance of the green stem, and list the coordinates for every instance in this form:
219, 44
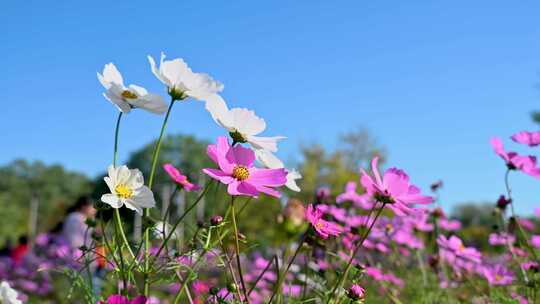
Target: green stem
117, 218
237, 248
173, 228
281, 276
155, 157
349, 264
117, 130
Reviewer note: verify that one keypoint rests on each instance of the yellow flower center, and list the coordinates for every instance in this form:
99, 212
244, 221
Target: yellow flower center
240, 173
461, 248
129, 95
123, 191
498, 277
319, 225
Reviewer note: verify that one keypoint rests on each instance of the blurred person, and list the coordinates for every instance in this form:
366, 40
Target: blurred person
75, 230
20, 251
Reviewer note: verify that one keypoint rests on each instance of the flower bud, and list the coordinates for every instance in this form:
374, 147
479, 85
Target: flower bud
231, 287
216, 220
356, 292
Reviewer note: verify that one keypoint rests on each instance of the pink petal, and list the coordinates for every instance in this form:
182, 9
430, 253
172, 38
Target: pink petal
268, 177
243, 156
219, 175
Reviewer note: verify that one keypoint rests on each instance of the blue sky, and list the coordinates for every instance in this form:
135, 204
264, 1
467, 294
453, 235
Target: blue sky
431, 81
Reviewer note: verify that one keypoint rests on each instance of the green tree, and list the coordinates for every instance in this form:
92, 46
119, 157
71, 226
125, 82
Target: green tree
55, 188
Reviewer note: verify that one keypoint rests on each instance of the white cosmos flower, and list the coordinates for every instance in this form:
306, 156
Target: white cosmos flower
8, 295
127, 188
181, 81
269, 160
126, 98
243, 125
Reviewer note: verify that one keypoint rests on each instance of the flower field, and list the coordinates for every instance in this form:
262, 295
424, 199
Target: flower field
378, 239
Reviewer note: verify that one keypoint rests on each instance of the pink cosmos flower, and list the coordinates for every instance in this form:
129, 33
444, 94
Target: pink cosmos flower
179, 179
237, 171
449, 225
453, 248
531, 139
514, 161
356, 292
393, 189
119, 299
350, 195
535, 241
526, 224
323, 228
501, 239
498, 275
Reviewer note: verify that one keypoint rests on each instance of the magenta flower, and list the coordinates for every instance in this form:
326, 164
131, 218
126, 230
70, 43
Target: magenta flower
179, 179
237, 171
498, 275
323, 228
356, 292
535, 241
453, 248
531, 139
350, 195
393, 189
119, 299
501, 239
514, 161
449, 225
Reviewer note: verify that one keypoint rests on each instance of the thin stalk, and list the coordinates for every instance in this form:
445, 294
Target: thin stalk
237, 248
155, 157
173, 228
259, 277
355, 251
281, 276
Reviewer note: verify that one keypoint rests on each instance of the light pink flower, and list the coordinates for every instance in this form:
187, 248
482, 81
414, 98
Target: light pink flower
119, 299
526, 224
237, 171
449, 225
179, 179
535, 241
393, 189
350, 195
498, 275
514, 161
501, 239
531, 139
356, 292
323, 228
453, 247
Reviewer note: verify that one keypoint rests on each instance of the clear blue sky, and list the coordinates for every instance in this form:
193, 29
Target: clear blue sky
432, 81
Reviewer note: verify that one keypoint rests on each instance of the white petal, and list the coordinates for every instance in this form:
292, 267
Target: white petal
154, 103
112, 200
246, 122
217, 107
132, 205
112, 75
122, 106
268, 159
292, 176
156, 71
123, 175
265, 143
139, 91
136, 179
145, 198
